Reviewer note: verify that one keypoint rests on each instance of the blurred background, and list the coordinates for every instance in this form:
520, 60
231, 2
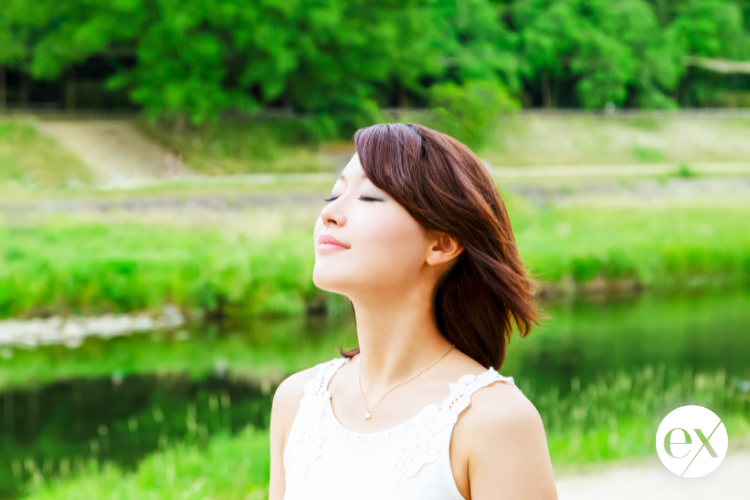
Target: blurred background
162, 164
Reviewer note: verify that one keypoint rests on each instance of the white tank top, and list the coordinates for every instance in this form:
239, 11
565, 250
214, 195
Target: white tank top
325, 461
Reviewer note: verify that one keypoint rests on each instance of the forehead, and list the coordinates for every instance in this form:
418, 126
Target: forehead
353, 170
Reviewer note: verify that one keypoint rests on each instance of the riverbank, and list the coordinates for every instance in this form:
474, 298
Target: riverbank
262, 351
197, 473
647, 479
255, 266
229, 467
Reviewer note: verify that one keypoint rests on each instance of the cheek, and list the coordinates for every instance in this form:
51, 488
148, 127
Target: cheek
391, 244
387, 251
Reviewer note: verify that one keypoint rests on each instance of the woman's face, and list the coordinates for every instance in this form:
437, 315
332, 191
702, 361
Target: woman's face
384, 248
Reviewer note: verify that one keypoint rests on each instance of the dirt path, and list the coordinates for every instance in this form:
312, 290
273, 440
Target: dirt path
650, 480
733, 191
117, 153
636, 170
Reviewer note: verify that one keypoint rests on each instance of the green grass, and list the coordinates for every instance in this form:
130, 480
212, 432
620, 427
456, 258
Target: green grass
646, 154
94, 267
228, 468
577, 139
31, 160
240, 147
657, 247
617, 415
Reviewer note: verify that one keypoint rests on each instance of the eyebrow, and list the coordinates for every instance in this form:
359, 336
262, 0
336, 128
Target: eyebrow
344, 178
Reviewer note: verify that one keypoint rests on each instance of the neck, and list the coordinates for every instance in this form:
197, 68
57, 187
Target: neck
398, 338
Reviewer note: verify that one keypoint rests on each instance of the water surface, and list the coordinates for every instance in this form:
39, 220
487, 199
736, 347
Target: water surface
122, 398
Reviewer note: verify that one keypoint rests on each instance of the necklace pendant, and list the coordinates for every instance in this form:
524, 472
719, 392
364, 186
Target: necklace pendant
367, 416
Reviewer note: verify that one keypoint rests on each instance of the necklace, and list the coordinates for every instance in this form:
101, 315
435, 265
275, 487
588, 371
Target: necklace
368, 415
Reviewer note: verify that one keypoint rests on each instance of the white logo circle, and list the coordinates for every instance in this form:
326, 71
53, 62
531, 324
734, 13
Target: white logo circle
692, 441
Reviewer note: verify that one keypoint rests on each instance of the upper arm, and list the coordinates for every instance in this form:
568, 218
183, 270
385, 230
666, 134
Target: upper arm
509, 458
286, 403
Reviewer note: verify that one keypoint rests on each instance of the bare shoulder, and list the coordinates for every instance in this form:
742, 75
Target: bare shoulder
289, 393
501, 404
500, 410
504, 445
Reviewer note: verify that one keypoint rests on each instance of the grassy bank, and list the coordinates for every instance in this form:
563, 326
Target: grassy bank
611, 418
246, 146
617, 415
31, 160
529, 139
93, 267
228, 468
606, 250
579, 139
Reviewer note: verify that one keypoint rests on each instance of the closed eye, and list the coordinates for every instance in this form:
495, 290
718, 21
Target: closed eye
363, 198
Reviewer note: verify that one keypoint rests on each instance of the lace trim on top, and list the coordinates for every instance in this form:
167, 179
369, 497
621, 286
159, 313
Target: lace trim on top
431, 421
429, 438
312, 406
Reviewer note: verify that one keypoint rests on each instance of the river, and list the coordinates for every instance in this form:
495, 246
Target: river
118, 399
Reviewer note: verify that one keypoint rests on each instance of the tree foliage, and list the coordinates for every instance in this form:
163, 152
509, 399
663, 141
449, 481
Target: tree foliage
346, 59
467, 112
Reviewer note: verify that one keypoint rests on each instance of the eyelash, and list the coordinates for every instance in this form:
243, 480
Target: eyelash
364, 198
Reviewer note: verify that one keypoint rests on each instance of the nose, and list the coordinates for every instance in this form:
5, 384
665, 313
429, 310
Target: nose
333, 213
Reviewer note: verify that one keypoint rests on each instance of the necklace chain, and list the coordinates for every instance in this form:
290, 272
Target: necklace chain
368, 414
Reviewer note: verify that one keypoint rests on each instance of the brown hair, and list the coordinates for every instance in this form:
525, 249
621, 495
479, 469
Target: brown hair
445, 187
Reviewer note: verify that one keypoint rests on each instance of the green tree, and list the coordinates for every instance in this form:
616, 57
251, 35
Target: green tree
343, 60
614, 51
45, 38
470, 111
709, 28
21, 25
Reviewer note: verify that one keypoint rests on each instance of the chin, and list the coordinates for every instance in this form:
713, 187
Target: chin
331, 280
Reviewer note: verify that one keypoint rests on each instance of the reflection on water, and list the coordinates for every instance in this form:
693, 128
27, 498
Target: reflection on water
53, 429
705, 332
119, 399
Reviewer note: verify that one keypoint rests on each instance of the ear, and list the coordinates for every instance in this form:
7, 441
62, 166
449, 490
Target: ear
442, 248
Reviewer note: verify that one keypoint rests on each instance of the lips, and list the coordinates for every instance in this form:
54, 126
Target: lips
327, 242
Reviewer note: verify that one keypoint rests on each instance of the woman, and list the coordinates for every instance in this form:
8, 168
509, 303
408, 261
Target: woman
416, 236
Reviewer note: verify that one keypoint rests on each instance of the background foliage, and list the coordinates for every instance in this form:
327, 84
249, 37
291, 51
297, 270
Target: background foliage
346, 59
